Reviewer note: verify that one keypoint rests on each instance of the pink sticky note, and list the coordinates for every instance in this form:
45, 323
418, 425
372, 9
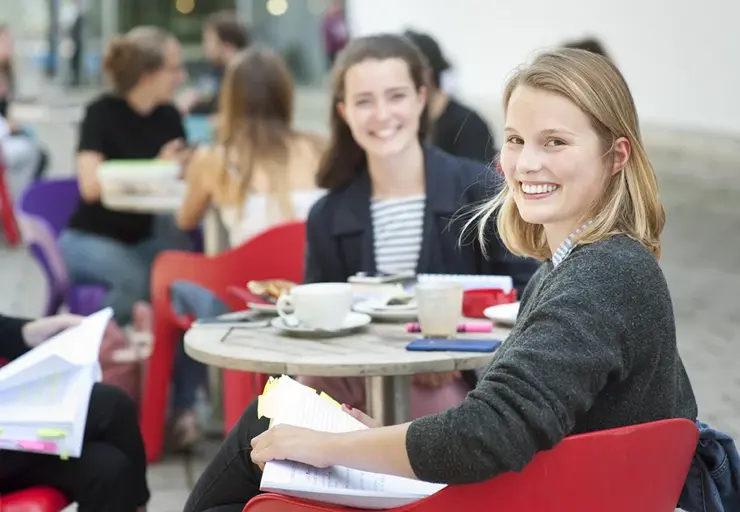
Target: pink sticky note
38, 446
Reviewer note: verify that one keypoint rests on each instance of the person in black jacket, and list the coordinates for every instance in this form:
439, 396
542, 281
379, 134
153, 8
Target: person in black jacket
454, 127
110, 474
395, 204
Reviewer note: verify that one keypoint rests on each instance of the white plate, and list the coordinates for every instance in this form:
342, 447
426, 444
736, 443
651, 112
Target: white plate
374, 308
353, 322
503, 313
267, 309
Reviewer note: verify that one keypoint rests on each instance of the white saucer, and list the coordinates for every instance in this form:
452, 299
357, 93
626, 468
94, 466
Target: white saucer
353, 322
503, 313
377, 311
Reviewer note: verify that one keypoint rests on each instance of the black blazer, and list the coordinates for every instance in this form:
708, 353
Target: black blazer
12, 344
340, 231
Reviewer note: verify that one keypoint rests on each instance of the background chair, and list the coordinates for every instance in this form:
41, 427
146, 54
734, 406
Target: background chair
35, 499
43, 211
641, 468
275, 254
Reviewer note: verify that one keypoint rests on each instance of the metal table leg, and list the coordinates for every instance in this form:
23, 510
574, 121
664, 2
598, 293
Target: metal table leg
388, 399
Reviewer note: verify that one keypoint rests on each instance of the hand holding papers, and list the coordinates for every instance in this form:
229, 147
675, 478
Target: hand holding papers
286, 401
44, 394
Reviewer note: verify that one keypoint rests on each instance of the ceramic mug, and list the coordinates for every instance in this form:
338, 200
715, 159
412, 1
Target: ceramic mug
317, 305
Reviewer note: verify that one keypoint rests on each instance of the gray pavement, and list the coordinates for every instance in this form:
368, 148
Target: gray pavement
700, 260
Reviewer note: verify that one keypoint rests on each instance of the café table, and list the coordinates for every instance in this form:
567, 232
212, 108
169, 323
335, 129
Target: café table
377, 352
168, 201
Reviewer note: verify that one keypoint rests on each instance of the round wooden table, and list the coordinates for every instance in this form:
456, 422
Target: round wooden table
377, 352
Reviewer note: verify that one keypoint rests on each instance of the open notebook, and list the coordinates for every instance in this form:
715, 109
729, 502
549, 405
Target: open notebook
44, 394
286, 401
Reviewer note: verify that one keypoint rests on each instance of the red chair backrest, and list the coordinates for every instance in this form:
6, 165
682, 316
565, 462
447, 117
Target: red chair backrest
275, 254
641, 468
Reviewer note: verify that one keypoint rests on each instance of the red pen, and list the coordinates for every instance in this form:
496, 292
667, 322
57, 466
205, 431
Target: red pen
464, 327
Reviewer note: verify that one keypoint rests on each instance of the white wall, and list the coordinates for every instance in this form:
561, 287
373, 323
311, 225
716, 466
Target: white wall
681, 58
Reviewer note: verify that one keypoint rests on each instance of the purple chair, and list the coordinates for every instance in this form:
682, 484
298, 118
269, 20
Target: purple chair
42, 213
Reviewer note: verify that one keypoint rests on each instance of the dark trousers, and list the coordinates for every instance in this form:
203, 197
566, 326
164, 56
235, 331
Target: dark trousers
231, 479
110, 474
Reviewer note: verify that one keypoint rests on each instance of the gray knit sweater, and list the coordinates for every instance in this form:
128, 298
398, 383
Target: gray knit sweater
594, 347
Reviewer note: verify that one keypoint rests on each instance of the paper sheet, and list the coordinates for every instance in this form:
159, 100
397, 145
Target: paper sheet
73, 348
291, 403
45, 394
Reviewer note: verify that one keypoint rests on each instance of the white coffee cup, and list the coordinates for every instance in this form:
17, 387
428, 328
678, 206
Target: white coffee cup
317, 305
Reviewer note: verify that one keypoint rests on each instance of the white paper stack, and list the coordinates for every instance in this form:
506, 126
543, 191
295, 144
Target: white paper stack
44, 394
289, 402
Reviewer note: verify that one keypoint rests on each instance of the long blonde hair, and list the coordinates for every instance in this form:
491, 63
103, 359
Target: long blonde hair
629, 204
255, 118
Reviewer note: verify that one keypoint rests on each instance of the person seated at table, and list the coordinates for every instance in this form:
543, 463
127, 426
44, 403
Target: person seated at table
136, 120
594, 346
454, 127
25, 160
393, 200
261, 173
110, 474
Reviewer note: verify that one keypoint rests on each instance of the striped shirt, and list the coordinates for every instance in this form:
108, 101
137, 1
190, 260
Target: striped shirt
397, 226
566, 246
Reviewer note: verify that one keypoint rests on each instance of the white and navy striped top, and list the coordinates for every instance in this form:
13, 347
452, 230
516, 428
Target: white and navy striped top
398, 225
565, 248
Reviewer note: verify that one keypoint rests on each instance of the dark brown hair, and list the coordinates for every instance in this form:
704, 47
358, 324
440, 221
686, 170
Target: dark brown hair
6, 68
590, 44
133, 55
344, 158
256, 116
228, 29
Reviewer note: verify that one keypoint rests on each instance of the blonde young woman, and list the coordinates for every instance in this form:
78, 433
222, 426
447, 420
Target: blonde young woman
594, 346
260, 174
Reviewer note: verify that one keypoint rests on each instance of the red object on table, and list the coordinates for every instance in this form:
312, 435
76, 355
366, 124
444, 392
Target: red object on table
640, 468
476, 301
275, 254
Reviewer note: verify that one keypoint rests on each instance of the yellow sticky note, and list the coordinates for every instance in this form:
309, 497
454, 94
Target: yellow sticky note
64, 456
51, 433
1, 430
329, 399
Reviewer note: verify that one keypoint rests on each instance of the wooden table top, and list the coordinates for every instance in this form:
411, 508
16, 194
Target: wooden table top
376, 350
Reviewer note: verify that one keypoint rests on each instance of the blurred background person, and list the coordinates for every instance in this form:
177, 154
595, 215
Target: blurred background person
590, 44
454, 127
334, 30
259, 174
22, 155
135, 121
223, 36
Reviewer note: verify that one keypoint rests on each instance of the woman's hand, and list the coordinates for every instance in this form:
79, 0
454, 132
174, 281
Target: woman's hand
436, 380
285, 442
38, 331
360, 416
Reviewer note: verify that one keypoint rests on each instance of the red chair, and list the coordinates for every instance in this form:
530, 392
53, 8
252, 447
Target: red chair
36, 499
637, 469
275, 254
7, 213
